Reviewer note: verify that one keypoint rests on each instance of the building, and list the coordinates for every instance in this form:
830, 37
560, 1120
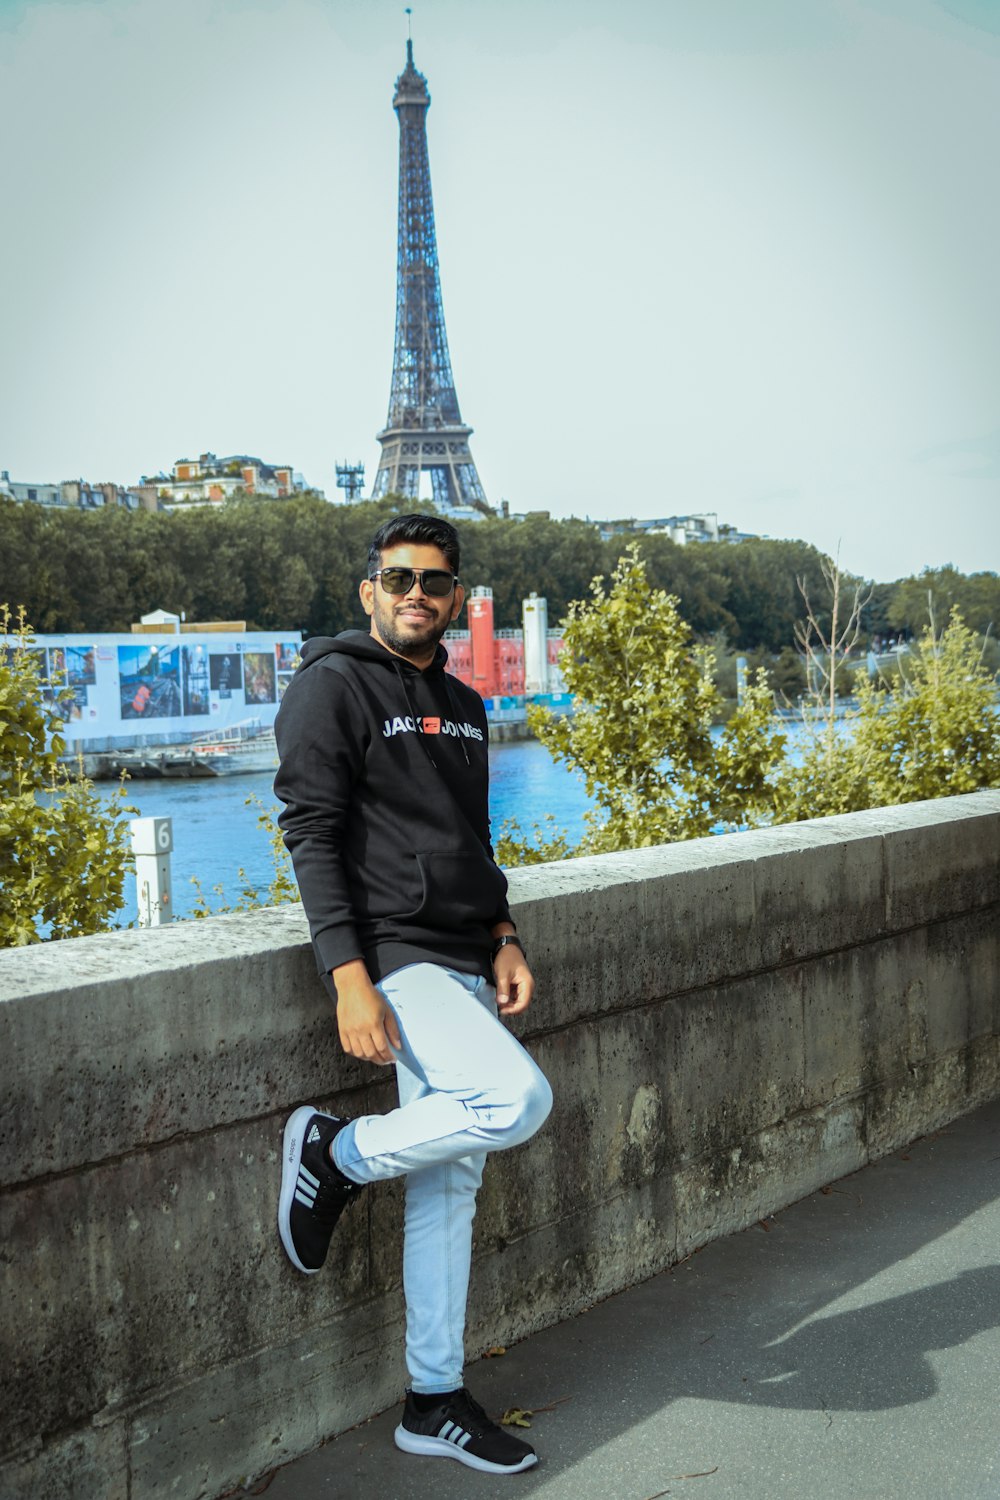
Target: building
208, 480
75, 494
163, 681
700, 527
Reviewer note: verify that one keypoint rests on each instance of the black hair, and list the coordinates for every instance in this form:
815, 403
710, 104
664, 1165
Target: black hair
423, 531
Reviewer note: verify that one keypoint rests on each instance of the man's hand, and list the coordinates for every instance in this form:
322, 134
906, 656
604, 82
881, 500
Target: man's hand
514, 981
366, 1024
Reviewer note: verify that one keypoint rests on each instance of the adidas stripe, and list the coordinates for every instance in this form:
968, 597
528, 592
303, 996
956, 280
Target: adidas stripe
452, 1433
305, 1188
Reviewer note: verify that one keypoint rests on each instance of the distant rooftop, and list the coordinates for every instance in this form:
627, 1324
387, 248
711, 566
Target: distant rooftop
700, 526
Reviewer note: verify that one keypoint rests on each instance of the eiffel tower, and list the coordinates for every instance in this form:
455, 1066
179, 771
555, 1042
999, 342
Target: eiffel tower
424, 429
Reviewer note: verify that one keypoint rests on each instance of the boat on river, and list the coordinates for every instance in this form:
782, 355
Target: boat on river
243, 747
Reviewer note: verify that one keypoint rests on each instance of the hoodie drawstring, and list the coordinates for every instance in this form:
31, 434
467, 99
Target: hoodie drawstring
449, 694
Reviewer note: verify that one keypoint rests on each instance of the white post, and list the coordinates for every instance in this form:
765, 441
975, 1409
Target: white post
152, 842
741, 679
535, 622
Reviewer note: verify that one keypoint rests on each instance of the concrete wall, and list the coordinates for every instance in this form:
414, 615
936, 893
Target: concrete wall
727, 1024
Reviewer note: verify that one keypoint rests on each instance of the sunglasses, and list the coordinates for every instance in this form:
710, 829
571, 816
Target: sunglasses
437, 582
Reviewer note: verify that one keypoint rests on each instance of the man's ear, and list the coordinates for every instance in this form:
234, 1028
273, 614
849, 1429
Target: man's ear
457, 602
366, 592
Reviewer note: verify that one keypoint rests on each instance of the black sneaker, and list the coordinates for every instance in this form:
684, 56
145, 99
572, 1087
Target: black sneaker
459, 1428
314, 1193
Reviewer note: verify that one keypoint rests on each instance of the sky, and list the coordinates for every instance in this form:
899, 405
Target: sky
696, 255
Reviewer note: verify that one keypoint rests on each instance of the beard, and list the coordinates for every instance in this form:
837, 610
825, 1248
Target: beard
404, 637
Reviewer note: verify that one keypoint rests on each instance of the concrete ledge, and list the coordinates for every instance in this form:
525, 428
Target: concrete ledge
728, 1024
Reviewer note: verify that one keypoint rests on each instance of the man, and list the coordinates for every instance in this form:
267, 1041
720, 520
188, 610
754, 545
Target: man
384, 776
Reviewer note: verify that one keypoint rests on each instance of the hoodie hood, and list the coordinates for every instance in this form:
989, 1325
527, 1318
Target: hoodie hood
358, 644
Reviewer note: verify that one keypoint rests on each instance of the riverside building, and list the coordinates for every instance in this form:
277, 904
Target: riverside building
167, 681
163, 682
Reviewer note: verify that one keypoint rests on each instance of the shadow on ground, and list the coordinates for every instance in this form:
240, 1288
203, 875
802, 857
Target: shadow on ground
837, 1306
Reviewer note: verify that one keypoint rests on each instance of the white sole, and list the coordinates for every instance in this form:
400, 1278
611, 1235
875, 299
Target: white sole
432, 1447
291, 1155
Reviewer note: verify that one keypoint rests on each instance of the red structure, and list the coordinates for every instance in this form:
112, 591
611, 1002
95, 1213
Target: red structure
481, 630
458, 644
508, 662
492, 661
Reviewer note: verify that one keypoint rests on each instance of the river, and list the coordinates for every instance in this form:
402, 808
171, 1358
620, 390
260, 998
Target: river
216, 833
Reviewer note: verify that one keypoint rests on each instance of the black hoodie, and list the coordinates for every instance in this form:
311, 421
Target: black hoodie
385, 779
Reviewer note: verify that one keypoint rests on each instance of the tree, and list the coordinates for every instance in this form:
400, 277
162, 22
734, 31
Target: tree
976, 596
827, 778
928, 729
785, 670
641, 731
762, 595
693, 573
828, 654
63, 850
556, 559
935, 732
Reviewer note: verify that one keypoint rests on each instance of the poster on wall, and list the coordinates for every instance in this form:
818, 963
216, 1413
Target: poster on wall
57, 664
286, 659
150, 682
196, 680
258, 677
81, 666
224, 673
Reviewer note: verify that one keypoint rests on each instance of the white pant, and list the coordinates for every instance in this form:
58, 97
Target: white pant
466, 1087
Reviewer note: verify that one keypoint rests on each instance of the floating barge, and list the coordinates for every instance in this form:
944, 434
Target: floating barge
238, 749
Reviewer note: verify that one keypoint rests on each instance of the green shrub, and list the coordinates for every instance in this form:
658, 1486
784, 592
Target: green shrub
642, 731
63, 850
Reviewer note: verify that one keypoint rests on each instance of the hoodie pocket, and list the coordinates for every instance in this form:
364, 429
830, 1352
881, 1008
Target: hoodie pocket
461, 890
393, 889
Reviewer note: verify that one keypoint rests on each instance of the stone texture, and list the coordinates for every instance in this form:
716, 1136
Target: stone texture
224, 1025
140, 1273
833, 884
222, 1429
721, 1192
940, 861
736, 1061
91, 1462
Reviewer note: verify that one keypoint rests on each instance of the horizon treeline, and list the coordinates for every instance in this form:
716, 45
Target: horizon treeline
296, 564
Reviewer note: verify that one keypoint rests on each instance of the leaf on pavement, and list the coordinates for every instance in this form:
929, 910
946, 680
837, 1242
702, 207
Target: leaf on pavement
515, 1417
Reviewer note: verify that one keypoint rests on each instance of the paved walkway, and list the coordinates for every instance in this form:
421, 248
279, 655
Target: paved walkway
850, 1350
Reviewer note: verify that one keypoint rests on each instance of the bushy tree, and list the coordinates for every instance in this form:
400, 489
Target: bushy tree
555, 559
935, 732
976, 596
63, 850
930, 728
762, 594
645, 703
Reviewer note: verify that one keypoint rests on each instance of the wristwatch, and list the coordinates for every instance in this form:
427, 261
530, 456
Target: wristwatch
502, 942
